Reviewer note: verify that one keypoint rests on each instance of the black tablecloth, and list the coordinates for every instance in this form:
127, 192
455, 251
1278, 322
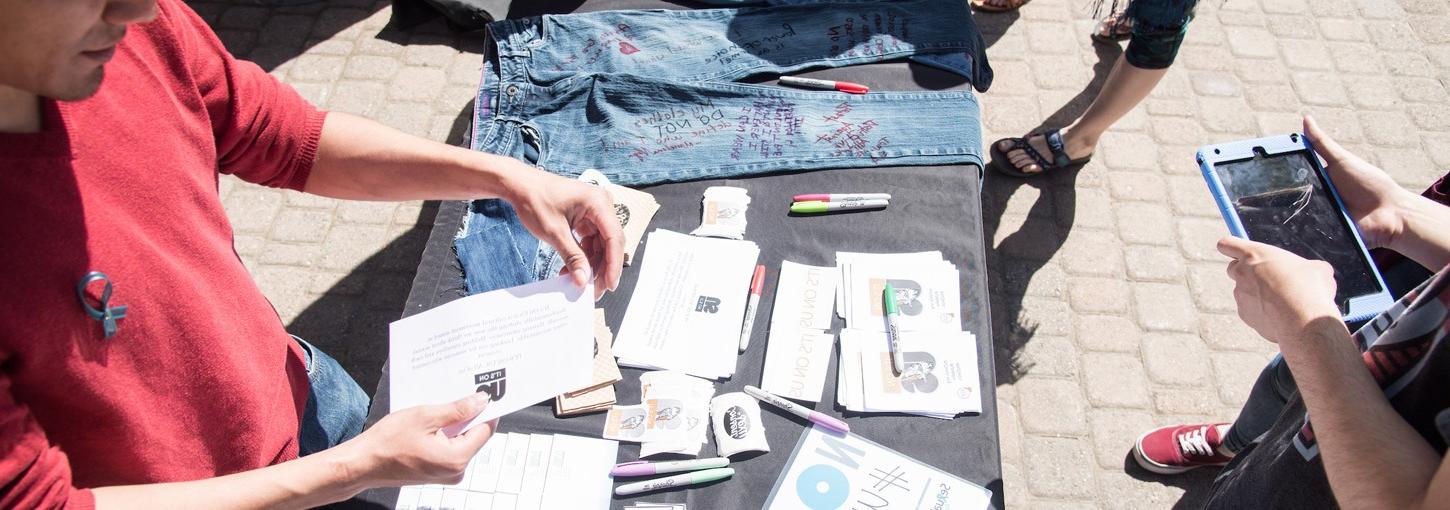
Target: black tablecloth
933, 208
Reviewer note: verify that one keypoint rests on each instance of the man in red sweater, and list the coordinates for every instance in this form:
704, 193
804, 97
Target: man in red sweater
140, 366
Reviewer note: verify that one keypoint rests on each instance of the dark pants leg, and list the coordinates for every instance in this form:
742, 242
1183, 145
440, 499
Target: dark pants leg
1271, 391
336, 408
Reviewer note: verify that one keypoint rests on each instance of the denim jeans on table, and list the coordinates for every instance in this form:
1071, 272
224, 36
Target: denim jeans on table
336, 407
971, 64
650, 96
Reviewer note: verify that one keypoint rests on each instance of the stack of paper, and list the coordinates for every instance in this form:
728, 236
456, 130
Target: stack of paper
799, 351
925, 284
673, 417
940, 379
599, 395
722, 212
525, 472
694, 395
686, 310
656, 506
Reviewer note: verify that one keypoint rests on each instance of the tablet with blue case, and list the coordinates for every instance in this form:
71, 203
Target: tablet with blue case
1275, 191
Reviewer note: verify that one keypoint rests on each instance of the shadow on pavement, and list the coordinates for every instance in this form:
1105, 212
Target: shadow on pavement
1018, 257
1196, 484
350, 320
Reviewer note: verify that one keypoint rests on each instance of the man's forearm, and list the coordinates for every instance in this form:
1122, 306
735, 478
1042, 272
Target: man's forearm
318, 479
359, 159
1373, 458
1425, 238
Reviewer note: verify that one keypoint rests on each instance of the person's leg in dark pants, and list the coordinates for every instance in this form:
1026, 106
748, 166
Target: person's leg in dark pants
1178, 448
1266, 400
336, 408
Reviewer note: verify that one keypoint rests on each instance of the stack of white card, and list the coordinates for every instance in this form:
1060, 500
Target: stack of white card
672, 417
656, 506
799, 352
694, 395
925, 284
686, 310
722, 212
940, 379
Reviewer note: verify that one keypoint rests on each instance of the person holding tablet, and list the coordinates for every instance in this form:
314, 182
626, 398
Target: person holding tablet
1365, 418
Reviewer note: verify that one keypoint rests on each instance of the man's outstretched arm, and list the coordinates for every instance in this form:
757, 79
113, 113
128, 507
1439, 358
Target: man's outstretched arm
358, 159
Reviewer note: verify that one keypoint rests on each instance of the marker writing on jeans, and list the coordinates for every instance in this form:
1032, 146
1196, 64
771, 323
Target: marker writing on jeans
812, 83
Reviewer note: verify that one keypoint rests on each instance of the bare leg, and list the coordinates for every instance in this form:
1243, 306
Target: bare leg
1125, 87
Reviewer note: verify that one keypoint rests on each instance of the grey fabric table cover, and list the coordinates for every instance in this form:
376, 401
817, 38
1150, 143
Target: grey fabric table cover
933, 208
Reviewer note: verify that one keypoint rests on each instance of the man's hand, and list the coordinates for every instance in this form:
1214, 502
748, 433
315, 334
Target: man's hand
1278, 293
555, 208
1372, 198
408, 447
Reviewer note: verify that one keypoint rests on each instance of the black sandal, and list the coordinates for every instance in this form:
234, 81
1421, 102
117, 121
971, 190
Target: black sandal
1059, 159
1110, 30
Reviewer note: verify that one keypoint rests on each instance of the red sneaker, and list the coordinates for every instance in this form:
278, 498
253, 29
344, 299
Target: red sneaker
1177, 448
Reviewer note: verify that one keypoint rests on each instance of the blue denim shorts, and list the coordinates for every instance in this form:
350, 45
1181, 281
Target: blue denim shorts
653, 96
337, 408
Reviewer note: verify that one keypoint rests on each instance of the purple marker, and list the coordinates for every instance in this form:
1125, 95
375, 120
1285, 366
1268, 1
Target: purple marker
816, 417
646, 468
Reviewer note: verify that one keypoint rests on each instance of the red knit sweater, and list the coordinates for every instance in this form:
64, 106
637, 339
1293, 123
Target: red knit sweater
201, 379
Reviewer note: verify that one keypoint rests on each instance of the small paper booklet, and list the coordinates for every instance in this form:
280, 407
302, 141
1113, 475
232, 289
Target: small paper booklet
686, 310
833, 471
940, 379
526, 472
521, 345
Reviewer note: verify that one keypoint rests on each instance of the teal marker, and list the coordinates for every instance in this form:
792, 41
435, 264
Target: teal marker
815, 207
893, 329
680, 480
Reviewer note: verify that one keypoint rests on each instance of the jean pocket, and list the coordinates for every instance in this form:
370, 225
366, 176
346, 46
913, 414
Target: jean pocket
492, 257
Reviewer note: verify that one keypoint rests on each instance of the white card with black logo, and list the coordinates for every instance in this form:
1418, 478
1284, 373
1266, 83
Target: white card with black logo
686, 310
521, 345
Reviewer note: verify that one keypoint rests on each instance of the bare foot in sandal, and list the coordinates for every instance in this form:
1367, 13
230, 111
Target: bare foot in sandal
1037, 153
1115, 27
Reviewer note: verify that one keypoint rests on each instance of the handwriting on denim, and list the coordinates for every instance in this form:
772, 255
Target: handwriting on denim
765, 128
869, 35
614, 39
759, 46
852, 138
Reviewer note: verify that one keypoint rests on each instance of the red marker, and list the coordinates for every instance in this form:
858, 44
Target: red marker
756, 284
812, 83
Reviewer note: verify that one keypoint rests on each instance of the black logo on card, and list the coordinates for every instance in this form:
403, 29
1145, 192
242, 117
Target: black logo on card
908, 296
492, 383
622, 212
737, 423
708, 304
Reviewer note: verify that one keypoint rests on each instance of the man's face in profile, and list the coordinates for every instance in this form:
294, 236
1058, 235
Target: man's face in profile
59, 48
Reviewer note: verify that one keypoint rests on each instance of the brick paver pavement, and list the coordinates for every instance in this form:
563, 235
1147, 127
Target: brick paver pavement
1112, 312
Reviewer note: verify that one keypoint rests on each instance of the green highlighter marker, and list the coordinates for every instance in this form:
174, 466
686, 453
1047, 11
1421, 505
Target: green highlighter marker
893, 330
680, 480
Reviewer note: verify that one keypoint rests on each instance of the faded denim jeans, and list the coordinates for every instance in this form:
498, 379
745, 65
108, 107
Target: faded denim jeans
651, 96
